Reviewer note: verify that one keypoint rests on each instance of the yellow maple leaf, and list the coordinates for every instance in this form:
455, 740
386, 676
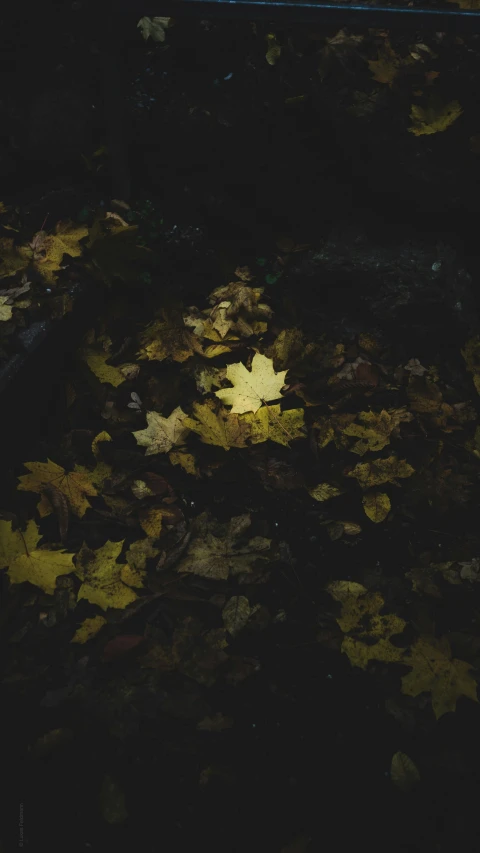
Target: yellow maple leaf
252, 389
380, 471
287, 346
65, 241
434, 118
88, 629
376, 506
97, 362
75, 485
26, 562
361, 615
103, 579
269, 422
434, 671
221, 428
162, 433
374, 429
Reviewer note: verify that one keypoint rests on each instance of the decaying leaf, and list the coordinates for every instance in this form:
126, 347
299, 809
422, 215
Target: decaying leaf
154, 28
374, 429
168, 338
380, 471
162, 433
403, 772
286, 348
360, 618
434, 671
226, 429
44, 252
222, 428
185, 460
219, 554
136, 557
25, 562
104, 581
434, 118
376, 506
75, 485
324, 492
236, 614
387, 65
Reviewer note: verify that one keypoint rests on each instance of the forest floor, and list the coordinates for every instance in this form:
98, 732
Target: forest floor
239, 498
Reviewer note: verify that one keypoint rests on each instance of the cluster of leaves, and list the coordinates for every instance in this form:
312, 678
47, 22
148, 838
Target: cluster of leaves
39, 278
265, 397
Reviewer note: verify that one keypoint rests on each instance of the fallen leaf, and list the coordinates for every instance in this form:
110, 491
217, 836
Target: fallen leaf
137, 556
154, 28
217, 555
376, 506
252, 389
185, 460
6, 311
361, 617
88, 629
221, 428
26, 562
380, 471
274, 50
168, 338
162, 433
434, 118
403, 772
236, 614
75, 485
434, 671
387, 65
324, 492
106, 373
374, 429
101, 577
